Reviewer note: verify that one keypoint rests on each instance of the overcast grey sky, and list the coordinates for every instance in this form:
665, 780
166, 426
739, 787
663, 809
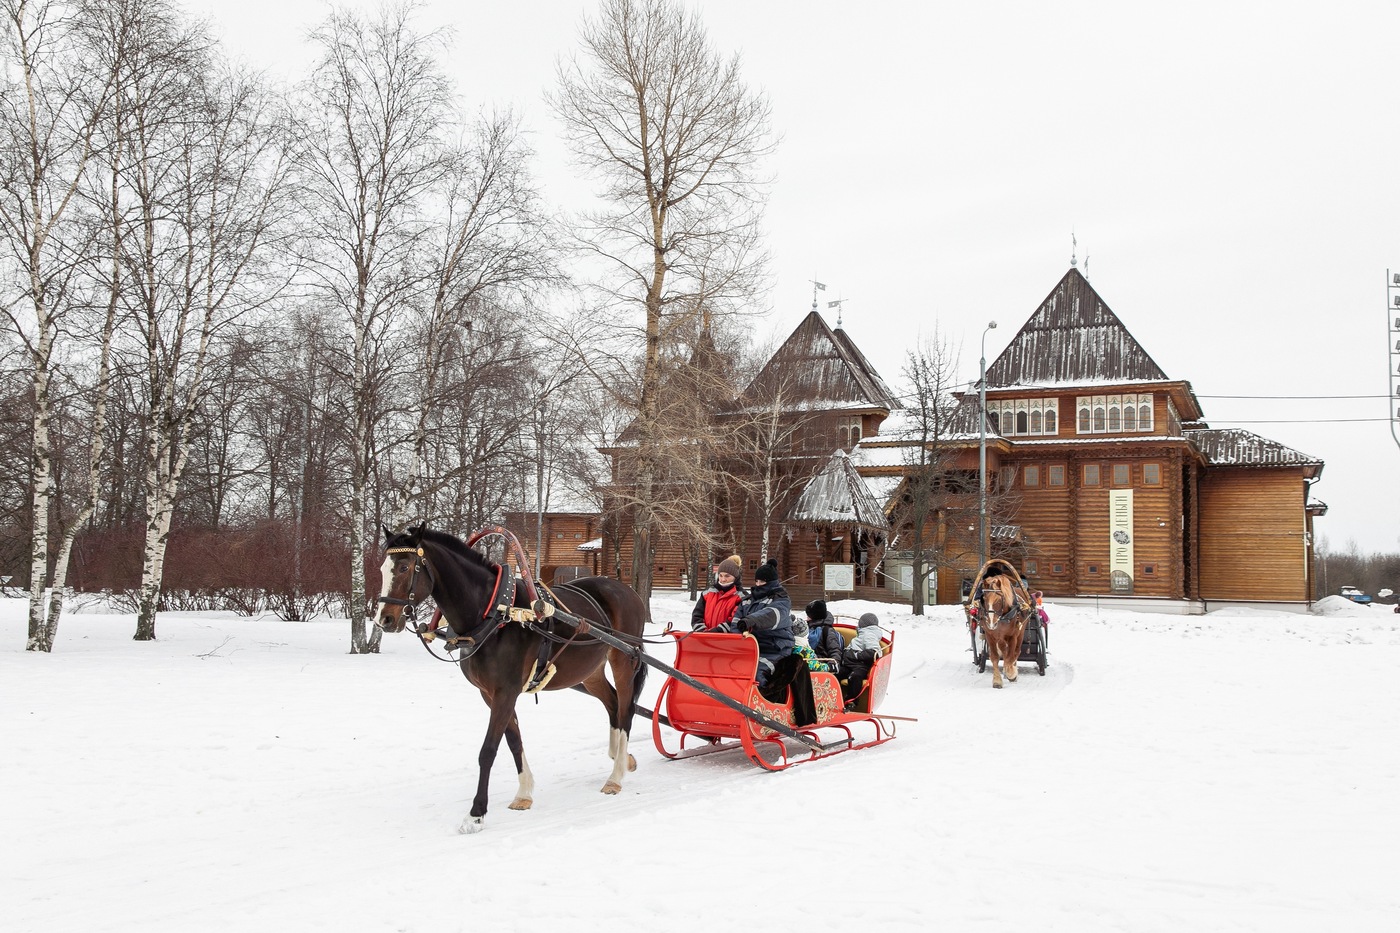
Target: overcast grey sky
1227, 168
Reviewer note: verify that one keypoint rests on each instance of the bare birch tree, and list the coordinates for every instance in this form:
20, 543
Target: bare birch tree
56, 90
490, 244
675, 137
369, 150
200, 169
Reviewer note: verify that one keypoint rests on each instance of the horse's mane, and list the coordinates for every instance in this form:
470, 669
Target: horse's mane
450, 543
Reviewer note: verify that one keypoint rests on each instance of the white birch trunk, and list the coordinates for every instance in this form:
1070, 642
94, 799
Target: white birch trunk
42, 478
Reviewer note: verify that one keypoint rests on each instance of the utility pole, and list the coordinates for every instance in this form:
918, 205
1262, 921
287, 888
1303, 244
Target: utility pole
1392, 325
982, 453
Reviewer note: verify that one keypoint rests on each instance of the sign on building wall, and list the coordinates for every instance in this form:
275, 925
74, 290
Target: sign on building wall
1120, 543
839, 578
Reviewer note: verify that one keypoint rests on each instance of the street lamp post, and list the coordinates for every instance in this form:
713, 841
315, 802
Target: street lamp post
982, 453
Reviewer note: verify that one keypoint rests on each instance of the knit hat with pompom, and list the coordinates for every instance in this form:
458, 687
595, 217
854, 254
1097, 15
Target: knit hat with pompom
768, 572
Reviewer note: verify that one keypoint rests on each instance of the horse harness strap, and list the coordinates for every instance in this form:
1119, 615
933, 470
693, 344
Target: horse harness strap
497, 614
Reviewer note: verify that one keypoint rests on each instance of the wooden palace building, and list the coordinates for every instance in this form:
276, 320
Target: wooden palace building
1119, 489
1104, 481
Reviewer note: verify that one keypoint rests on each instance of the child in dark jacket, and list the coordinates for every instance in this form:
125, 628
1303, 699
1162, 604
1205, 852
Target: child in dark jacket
822, 634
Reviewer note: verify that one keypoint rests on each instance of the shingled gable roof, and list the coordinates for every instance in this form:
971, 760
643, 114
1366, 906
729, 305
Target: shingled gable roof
838, 495
1072, 339
822, 369
1238, 447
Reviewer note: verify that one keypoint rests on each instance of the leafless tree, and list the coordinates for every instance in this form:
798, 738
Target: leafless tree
490, 245
369, 150
938, 496
199, 168
56, 90
934, 485
780, 446
675, 138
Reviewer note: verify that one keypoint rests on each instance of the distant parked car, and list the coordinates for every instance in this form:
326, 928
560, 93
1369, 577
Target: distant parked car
1355, 595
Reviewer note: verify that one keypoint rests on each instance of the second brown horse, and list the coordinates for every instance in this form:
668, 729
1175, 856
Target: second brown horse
1003, 620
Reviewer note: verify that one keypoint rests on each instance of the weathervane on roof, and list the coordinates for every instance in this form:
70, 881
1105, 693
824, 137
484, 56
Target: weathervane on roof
1073, 248
837, 305
816, 287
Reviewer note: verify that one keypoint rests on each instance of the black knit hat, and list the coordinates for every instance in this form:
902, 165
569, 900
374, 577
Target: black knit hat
816, 609
768, 572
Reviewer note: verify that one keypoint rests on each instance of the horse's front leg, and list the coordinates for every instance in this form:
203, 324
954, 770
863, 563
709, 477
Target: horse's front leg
995, 653
502, 712
525, 793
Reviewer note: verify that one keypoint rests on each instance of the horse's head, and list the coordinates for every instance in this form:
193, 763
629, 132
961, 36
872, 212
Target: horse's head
405, 578
998, 599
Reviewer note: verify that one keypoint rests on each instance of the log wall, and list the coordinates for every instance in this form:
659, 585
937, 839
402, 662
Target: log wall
1252, 541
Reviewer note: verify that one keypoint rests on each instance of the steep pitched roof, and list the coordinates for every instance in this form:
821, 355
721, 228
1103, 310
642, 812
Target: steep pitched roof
1073, 339
1237, 447
838, 496
821, 369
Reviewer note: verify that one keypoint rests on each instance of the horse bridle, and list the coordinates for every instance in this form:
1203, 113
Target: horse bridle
420, 562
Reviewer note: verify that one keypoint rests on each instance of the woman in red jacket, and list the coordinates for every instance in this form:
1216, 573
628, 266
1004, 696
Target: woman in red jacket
717, 604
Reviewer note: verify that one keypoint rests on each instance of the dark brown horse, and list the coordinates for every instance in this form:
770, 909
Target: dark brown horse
499, 649
1003, 620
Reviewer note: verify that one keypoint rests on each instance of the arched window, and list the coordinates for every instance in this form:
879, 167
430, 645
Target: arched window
1113, 423
1145, 418
1021, 427
994, 421
1129, 418
1098, 420
1035, 422
1050, 427
1083, 421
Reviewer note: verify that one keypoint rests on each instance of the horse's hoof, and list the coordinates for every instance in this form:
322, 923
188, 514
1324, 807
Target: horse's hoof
521, 803
612, 787
631, 763
995, 685
471, 826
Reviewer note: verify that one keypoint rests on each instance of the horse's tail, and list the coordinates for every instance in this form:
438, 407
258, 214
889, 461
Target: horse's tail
639, 679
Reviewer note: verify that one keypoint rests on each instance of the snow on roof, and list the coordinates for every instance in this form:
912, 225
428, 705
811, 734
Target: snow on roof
1238, 447
838, 495
1073, 339
885, 455
822, 366
883, 488
595, 545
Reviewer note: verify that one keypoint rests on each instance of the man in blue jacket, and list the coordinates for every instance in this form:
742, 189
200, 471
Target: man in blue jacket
766, 614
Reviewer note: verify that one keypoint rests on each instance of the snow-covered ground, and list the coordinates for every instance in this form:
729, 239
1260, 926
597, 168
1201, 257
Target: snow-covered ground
1238, 771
